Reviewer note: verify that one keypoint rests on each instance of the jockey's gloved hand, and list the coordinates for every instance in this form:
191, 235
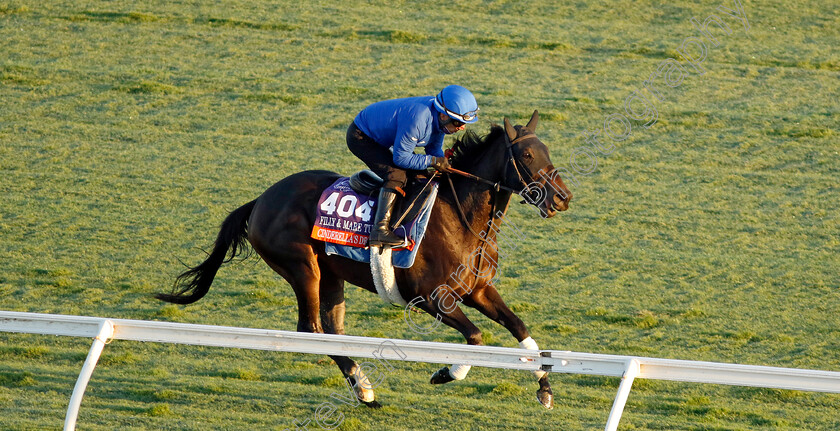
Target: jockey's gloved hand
440, 164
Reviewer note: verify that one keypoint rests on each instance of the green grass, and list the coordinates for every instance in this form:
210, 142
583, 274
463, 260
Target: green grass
128, 130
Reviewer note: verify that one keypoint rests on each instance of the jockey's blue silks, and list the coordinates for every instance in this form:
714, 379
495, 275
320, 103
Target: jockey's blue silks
405, 124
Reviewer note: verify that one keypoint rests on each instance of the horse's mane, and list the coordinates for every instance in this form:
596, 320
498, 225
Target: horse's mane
471, 145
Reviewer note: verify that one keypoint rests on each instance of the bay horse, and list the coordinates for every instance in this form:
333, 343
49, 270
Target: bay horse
510, 159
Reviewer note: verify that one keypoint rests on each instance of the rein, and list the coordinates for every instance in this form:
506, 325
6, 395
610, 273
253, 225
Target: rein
411, 205
497, 186
464, 216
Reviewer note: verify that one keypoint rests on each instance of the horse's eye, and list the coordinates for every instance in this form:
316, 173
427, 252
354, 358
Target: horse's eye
527, 157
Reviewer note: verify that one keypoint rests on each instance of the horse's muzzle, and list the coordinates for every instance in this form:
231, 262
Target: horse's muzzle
558, 203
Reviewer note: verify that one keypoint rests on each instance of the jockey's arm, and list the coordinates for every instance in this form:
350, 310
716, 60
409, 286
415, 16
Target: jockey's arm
407, 139
435, 148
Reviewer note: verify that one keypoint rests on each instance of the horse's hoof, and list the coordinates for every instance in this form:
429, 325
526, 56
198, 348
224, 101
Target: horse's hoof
441, 376
373, 404
546, 398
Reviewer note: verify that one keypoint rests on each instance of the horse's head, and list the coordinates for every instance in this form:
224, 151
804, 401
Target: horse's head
529, 169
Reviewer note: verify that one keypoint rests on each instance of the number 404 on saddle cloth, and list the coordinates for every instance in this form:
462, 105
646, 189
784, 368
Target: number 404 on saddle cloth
344, 220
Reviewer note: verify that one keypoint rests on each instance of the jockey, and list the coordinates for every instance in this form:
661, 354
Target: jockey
385, 134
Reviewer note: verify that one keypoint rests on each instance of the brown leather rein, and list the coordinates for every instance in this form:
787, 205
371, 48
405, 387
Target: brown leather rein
497, 186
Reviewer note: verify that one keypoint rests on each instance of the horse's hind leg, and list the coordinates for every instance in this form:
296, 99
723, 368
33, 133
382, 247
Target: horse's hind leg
490, 303
332, 318
304, 281
320, 300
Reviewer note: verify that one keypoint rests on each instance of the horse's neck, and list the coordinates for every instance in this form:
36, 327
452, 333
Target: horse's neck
479, 201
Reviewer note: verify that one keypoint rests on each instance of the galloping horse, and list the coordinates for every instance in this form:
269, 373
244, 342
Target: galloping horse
279, 222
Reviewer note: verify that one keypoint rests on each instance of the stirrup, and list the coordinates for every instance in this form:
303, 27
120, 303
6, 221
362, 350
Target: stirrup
385, 240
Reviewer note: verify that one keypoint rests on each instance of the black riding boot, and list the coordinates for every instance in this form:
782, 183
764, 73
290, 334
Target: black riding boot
382, 236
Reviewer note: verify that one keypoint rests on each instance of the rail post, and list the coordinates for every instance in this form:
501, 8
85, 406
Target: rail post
106, 331
630, 373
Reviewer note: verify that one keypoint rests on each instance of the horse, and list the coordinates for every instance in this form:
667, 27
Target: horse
509, 159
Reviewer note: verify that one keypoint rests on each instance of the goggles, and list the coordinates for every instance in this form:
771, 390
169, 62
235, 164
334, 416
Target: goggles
462, 118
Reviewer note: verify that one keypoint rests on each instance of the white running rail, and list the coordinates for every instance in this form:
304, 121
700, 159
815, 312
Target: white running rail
103, 330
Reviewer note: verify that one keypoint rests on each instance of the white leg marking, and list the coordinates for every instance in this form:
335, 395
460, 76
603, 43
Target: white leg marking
366, 395
459, 372
530, 344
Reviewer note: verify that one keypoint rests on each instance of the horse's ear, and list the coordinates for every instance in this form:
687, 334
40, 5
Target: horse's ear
511, 132
532, 123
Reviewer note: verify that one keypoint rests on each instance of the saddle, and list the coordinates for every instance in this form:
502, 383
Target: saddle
366, 182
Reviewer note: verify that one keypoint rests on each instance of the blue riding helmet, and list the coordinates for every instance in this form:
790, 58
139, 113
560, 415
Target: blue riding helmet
458, 103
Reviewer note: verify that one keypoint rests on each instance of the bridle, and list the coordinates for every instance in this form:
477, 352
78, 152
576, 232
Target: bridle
511, 160
497, 186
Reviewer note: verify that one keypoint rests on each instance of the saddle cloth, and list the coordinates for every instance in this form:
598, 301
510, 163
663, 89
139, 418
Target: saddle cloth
344, 220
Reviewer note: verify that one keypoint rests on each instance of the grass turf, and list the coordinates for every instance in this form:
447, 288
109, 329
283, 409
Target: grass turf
130, 130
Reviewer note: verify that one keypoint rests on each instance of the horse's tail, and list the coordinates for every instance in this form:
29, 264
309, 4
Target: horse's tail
194, 283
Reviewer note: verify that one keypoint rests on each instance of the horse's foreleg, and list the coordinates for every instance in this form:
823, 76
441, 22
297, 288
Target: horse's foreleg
488, 301
458, 320
332, 318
